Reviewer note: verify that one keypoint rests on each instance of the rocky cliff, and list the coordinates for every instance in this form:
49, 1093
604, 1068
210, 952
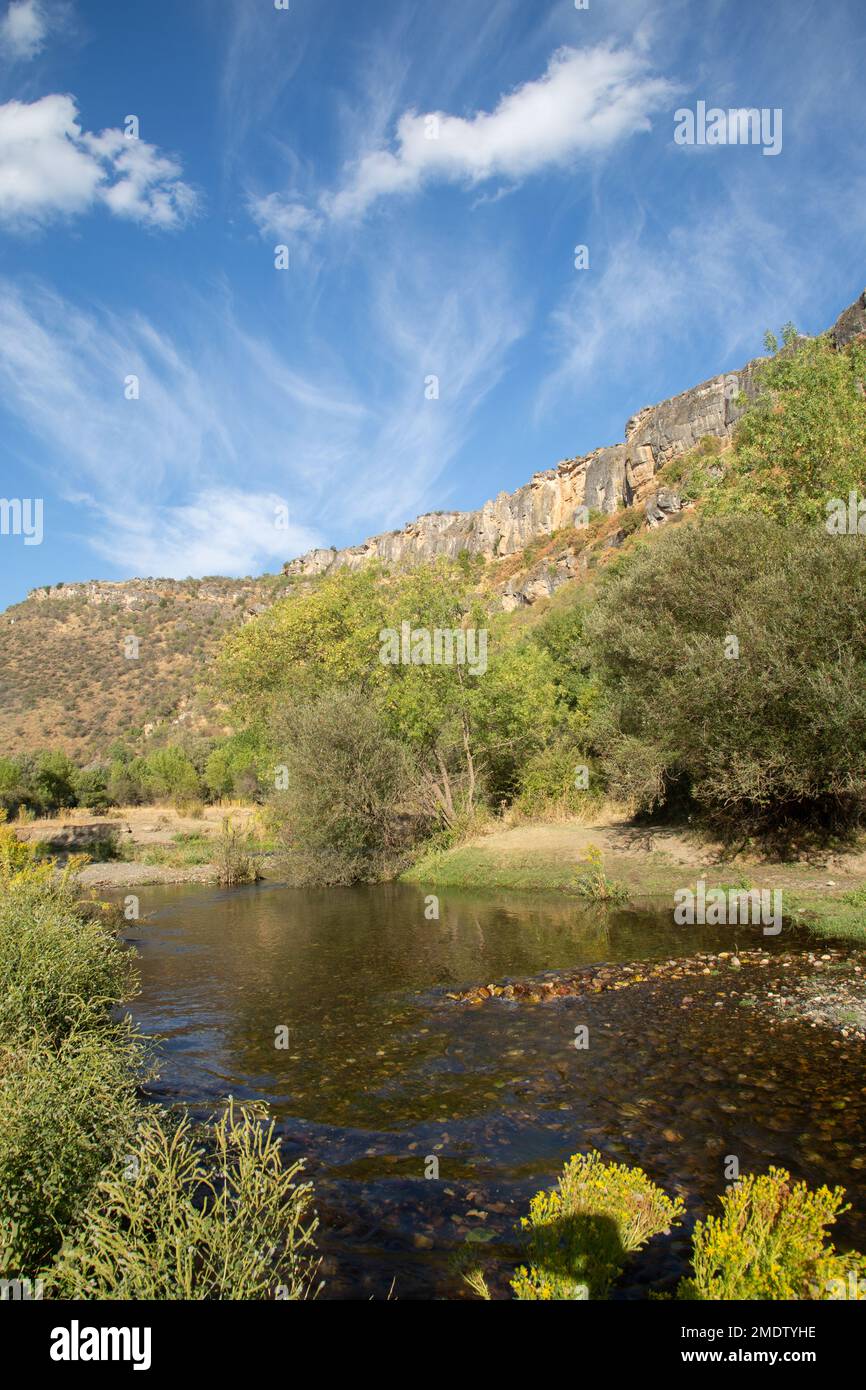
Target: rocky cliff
607, 478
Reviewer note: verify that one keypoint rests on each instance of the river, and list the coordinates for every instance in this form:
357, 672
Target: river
332, 1006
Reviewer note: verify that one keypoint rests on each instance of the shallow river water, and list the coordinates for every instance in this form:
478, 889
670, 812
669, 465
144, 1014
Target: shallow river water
382, 1073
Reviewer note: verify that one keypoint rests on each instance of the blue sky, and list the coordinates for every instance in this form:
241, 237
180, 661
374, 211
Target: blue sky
418, 247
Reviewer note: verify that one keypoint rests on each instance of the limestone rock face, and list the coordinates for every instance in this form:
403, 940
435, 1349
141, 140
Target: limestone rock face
850, 323
662, 505
607, 478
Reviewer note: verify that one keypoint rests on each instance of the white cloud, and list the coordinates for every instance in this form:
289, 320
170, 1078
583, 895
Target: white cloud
23, 29
221, 530
50, 167
587, 101
281, 217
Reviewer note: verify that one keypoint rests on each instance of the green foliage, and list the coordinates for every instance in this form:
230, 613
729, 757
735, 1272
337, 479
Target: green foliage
234, 767
770, 1243
93, 1199
467, 732
67, 1068
548, 777
802, 442
172, 1225
62, 970
231, 855
167, 773
768, 741
303, 645
54, 780
593, 883
65, 1112
90, 785
17, 857
349, 784
581, 1233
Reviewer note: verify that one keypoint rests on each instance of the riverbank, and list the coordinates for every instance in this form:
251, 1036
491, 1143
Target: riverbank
825, 893
144, 846
115, 874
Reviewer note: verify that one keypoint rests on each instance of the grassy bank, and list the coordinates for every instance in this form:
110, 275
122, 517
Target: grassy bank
647, 867
832, 913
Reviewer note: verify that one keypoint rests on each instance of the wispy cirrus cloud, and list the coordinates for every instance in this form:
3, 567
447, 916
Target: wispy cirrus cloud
730, 272
50, 167
160, 477
585, 103
219, 530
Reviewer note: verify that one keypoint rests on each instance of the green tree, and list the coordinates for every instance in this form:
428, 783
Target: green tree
732, 660
346, 807
168, 772
54, 780
802, 441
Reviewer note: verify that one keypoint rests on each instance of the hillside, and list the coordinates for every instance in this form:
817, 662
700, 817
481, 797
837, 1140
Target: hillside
65, 680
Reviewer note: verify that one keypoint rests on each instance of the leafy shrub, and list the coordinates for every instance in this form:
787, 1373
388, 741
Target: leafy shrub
803, 441
547, 781
235, 865
769, 741
232, 768
54, 780
234, 1225
16, 856
347, 782
582, 1231
169, 773
593, 883
61, 970
91, 788
770, 1243
67, 1068
66, 1110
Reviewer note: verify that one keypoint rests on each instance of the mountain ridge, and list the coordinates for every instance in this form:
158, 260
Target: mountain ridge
63, 647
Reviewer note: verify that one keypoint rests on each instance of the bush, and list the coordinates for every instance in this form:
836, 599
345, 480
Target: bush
65, 1112
67, 1068
766, 742
803, 441
348, 785
770, 1243
54, 781
593, 883
61, 971
235, 865
91, 788
169, 773
16, 856
236, 1226
547, 781
582, 1231
232, 767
